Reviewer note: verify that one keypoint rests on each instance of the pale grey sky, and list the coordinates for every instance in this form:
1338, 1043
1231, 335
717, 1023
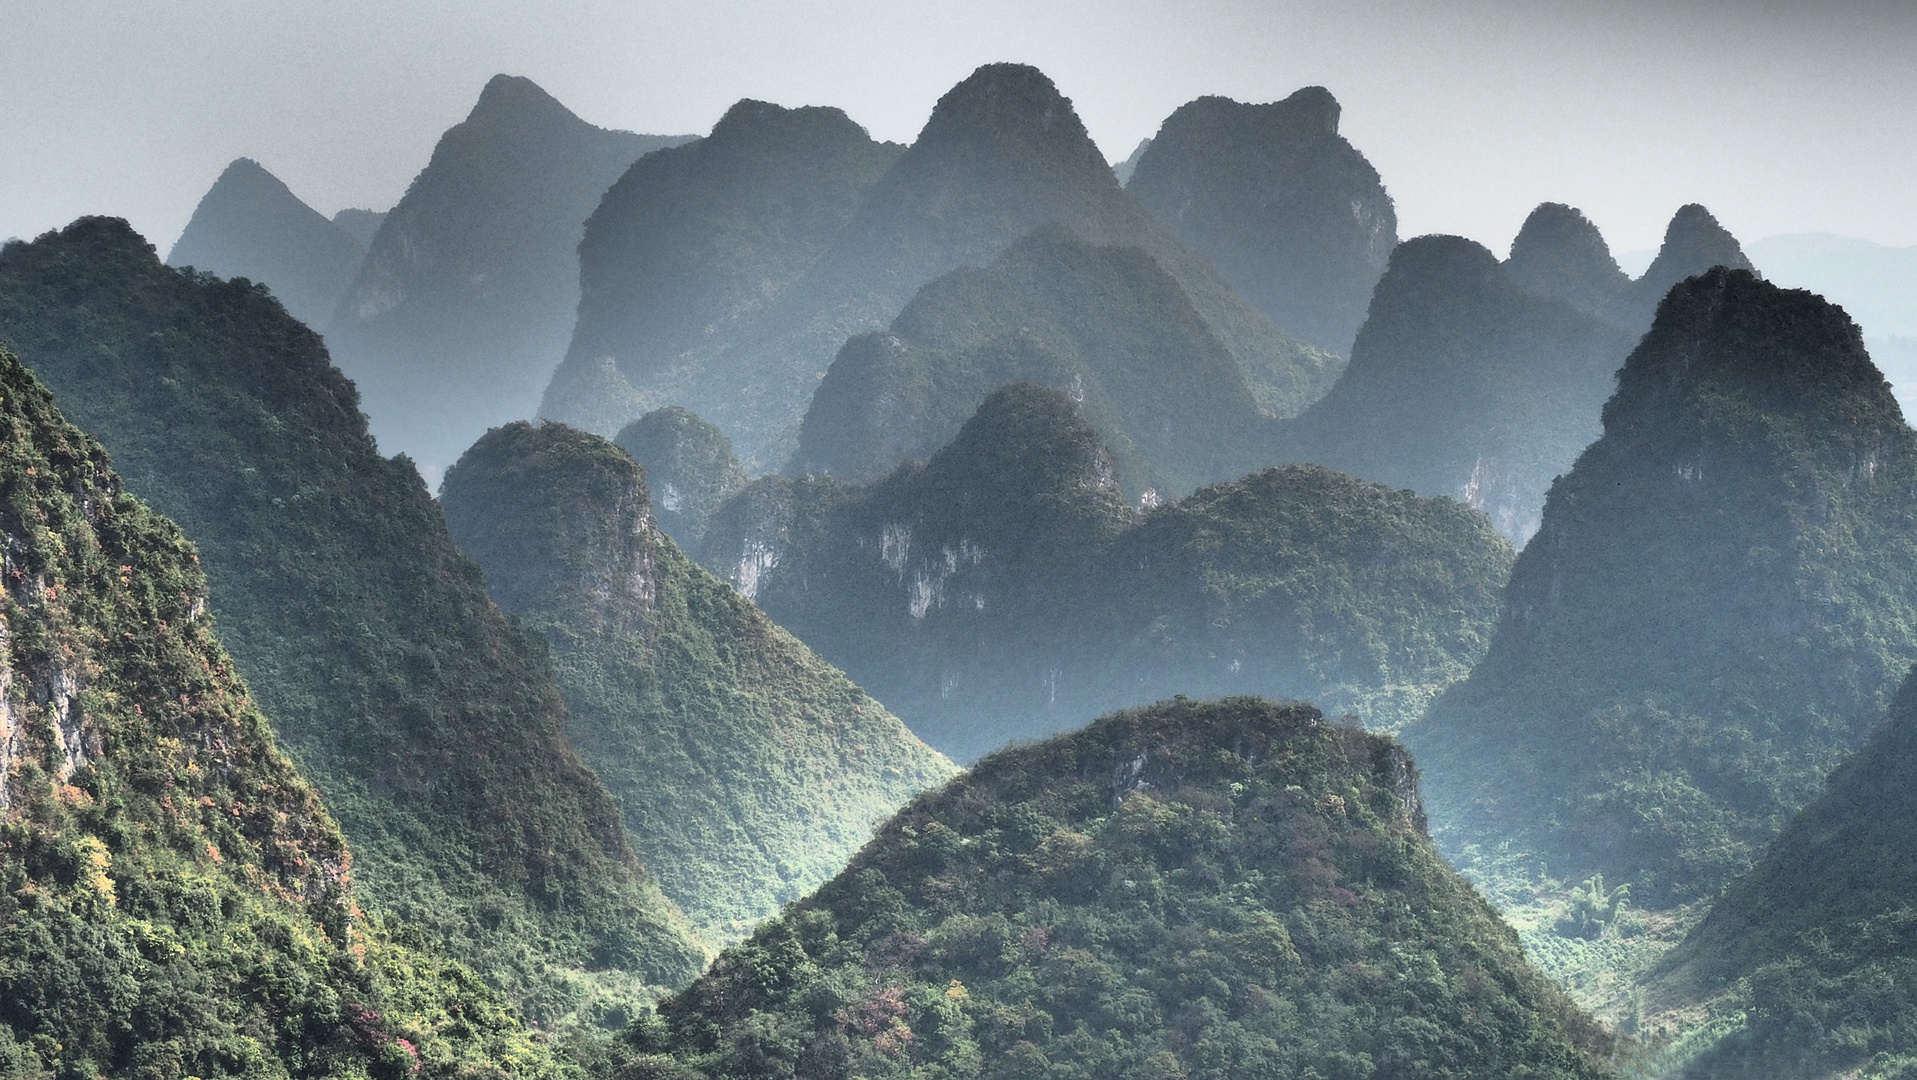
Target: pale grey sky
1782, 117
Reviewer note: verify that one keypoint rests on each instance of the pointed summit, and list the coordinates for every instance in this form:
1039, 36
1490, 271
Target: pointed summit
1004, 112
1291, 212
251, 225
468, 294
1559, 253
1693, 243
1692, 637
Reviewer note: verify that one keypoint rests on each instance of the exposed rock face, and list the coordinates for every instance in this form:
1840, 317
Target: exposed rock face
1463, 384
1291, 212
1005, 587
747, 769
1560, 254
249, 225
1189, 889
1002, 154
1690, 640
429, 718
1104, 325
690, 469
469, 290
176, 896
1813, 946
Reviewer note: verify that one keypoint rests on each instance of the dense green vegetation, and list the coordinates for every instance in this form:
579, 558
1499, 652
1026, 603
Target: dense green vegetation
1002, 154
1006, 588
249, 225
173, 898
1105, 325
1716, 609
468, 293
1192, 890
1815, 950
1463, 384
429, 721
690, 469
748, 769
1289, 211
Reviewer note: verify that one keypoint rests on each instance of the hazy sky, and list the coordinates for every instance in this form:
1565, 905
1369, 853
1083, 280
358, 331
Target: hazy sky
1782, 117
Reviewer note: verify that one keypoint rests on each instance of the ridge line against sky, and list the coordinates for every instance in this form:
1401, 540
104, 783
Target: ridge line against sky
1782, 117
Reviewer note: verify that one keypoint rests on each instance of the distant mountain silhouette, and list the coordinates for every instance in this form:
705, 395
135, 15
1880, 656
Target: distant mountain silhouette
1707, 620
1560, 254
1123, 170
1693, 243
1463, 384
250, 225
690, 469
1105, 325
1292, 214
468, 293
362, 224
1002, 154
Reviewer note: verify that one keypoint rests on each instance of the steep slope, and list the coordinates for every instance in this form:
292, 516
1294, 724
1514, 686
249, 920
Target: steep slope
748, 769
1002, 153
468, 293
692, 240
690, 469
173, 898
429, 720
1463, 384
1106, 325
1693, 243
1560, 254
249, 225
1815, 945
1289, 211
1005, 587
1206, 890
1713, 612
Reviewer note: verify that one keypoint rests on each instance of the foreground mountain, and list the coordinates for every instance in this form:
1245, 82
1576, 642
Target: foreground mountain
174, 900
1464, 383
1292, 214
748, 769
1002, 154
468, 292
429, 720
249, 225
1006, 586
1105, 325
693, 239
690, 469
1208, 890
1711, 614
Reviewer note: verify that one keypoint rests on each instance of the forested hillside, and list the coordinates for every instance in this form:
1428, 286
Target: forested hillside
1209, 890
428, 719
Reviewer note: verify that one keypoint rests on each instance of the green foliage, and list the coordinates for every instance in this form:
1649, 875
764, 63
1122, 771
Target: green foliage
1463, 384
748, 769
1191, 890
1593, 910
690, 469
1717, 608
1105, 325
430, 721
1005, 587
1290, 212
173, 898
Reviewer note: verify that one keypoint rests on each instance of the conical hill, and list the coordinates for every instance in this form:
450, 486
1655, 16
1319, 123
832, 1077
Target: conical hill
1290, 212
174, 900
748, 770
1693, 243
467, 296
249, 225
1219, 889
1709, 617
429, 720
1559, 253
1006, 586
